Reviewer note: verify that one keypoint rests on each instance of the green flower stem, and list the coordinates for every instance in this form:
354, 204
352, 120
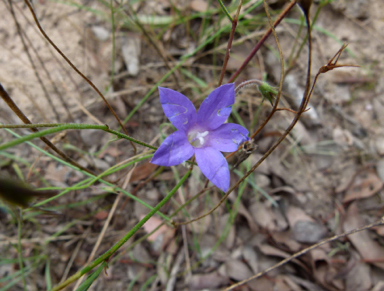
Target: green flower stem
57, 127
121, 242
115, 188
121, 135
31, 125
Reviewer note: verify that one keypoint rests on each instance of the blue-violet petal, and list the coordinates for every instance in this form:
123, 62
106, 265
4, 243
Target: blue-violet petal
214, 166
174, 150
216, 108
178, 108
228, 137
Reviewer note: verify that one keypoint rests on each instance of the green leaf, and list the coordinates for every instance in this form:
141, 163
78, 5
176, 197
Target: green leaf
198, 81
91, 278
48, 280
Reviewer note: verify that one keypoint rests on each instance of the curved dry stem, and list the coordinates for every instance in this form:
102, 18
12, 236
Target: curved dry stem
35, 70
307, 94
281, 73
27, 2
42, 64
248, 83
331, 64
262, 40
11, 104
231, 35
298, 254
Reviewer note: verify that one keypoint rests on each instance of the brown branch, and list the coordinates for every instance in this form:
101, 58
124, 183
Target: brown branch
298, 254
231, 35
332, 64
7, 99
255, 81
262, 40
290, 110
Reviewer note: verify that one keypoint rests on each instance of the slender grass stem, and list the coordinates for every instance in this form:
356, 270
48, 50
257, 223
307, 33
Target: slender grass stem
93, 180
57, 127
225, 10
114, 187
19, 248
121, 242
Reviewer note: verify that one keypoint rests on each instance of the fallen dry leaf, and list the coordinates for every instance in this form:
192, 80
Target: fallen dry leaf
199, 5
100, 32
284, 283
285, 238
323, 270
320, 254
131, 50
200, 226
260, 284
207, 281
143, 171
342, 137
369, 249
57, 172
380, 169
379, 230
345, 180
308, 232
359, 278
250, 256
304, 228
267, 218
299, 180
363, 187
101, 215
325, 274
230, 239
244, 212
272, 251
237, 270
141, 254
308, 285
291, 284
112, 151
295, 214
379, 286
154, 222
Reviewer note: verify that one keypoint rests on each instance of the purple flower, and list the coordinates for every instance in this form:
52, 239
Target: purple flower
203, 133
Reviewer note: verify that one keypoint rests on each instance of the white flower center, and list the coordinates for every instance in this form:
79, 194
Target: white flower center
196, 138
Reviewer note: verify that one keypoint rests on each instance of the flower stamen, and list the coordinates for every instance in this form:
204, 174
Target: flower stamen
197, 136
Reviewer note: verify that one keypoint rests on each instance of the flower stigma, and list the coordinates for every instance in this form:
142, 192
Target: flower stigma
196, 139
